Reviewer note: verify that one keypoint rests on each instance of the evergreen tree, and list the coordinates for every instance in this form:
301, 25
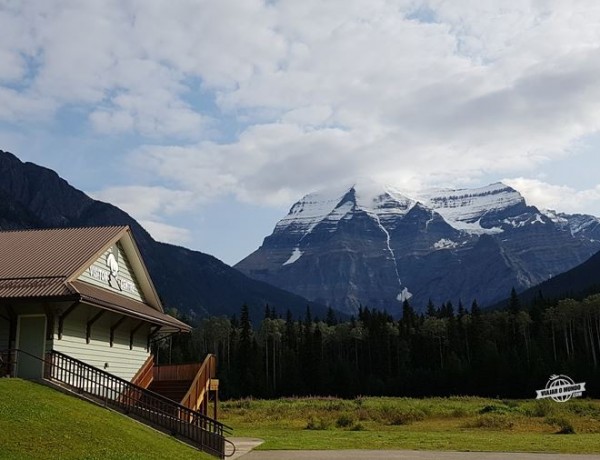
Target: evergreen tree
514, 305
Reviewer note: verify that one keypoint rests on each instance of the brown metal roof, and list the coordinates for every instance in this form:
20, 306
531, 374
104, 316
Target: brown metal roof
51, 252
33, 287
36, 264
129, 307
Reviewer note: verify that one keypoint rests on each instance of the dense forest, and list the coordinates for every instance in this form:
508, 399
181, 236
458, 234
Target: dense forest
446, 351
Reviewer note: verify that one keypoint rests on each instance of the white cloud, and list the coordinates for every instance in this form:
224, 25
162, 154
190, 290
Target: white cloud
167, 233
557, 197
147, 203
307, 93
151, 206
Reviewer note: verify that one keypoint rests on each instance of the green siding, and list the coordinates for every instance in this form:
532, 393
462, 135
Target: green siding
98, 275
121, 361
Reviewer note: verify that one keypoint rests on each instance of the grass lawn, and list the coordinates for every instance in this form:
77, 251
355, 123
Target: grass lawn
38, 422
459, 424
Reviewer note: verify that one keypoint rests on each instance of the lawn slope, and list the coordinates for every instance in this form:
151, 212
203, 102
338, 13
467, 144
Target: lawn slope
38, 422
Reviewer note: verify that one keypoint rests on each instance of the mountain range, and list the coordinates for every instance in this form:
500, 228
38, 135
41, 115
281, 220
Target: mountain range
194, 283
372, 245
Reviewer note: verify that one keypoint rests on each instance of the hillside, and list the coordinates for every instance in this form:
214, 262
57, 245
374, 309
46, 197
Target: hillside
37, 422
577, 283
194, 283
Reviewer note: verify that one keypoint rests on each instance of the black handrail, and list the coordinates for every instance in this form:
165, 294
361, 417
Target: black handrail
6, 363
204, 432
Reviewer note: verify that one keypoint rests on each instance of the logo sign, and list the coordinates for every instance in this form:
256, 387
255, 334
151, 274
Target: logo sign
110, 275
561, 388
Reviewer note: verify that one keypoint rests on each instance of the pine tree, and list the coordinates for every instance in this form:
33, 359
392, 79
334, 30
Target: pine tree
514, 305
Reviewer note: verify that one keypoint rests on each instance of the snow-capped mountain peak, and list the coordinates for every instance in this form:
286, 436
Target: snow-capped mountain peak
465, 208
369, 244
334, 204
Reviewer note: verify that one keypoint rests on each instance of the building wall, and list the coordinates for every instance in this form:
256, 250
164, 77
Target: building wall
119, 360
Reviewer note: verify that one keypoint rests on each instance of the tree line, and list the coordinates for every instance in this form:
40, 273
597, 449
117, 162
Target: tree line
445, 351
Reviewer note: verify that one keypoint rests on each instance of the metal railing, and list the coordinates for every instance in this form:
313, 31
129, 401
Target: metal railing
7, 360
204, 432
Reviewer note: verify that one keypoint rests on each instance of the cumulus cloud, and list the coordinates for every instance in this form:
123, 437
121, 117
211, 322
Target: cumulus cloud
550, 196
266, 100
167, 233
151, 206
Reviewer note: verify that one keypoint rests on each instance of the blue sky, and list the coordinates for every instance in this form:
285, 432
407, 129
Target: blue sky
206, 120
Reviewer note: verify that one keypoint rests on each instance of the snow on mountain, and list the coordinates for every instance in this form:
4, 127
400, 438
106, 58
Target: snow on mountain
464, 208
305, 214
332, 205
369, 244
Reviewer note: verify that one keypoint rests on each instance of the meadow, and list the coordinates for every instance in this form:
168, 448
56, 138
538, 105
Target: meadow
454, 423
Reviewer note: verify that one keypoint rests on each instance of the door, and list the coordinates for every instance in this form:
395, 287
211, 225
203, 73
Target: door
31, 338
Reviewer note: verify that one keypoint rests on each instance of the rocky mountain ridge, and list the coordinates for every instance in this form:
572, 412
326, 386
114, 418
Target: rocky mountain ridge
373, 245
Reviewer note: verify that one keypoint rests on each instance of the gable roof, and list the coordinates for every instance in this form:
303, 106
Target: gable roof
36, 264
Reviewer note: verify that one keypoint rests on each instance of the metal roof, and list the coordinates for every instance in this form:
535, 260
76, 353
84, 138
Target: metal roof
40, 264
33, 287
56, 252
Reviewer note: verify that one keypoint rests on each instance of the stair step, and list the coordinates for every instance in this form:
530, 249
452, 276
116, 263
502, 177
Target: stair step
175, 390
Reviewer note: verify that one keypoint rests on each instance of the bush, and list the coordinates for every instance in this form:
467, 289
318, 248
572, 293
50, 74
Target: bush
399, 417
564, 425
491, 422
344, 421
543, 408
492, 408
317, 424
459, 412
358, 427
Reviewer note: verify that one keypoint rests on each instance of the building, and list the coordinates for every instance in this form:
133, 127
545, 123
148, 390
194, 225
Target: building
82, 298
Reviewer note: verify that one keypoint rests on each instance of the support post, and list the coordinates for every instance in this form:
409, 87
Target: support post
151, 335
61, 318
114, 327
88, 331
133, 331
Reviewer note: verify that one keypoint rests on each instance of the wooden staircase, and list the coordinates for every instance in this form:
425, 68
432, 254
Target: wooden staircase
190, 385
175, 390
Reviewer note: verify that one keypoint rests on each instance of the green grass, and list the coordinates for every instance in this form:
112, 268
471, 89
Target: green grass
459, 424
38, 422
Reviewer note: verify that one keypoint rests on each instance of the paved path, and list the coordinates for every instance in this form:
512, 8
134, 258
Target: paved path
403, 455
244, 448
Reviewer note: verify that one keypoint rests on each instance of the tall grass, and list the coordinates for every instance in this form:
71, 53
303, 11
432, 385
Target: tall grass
456, 423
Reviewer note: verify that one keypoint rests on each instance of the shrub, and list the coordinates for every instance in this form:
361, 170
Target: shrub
564, 425
459, 412
494, 409
543, 408
358, 427
344, 421
317, 424
399, 417
491, 422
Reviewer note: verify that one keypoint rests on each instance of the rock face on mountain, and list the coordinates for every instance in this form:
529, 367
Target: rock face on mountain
195, 283
374, 246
